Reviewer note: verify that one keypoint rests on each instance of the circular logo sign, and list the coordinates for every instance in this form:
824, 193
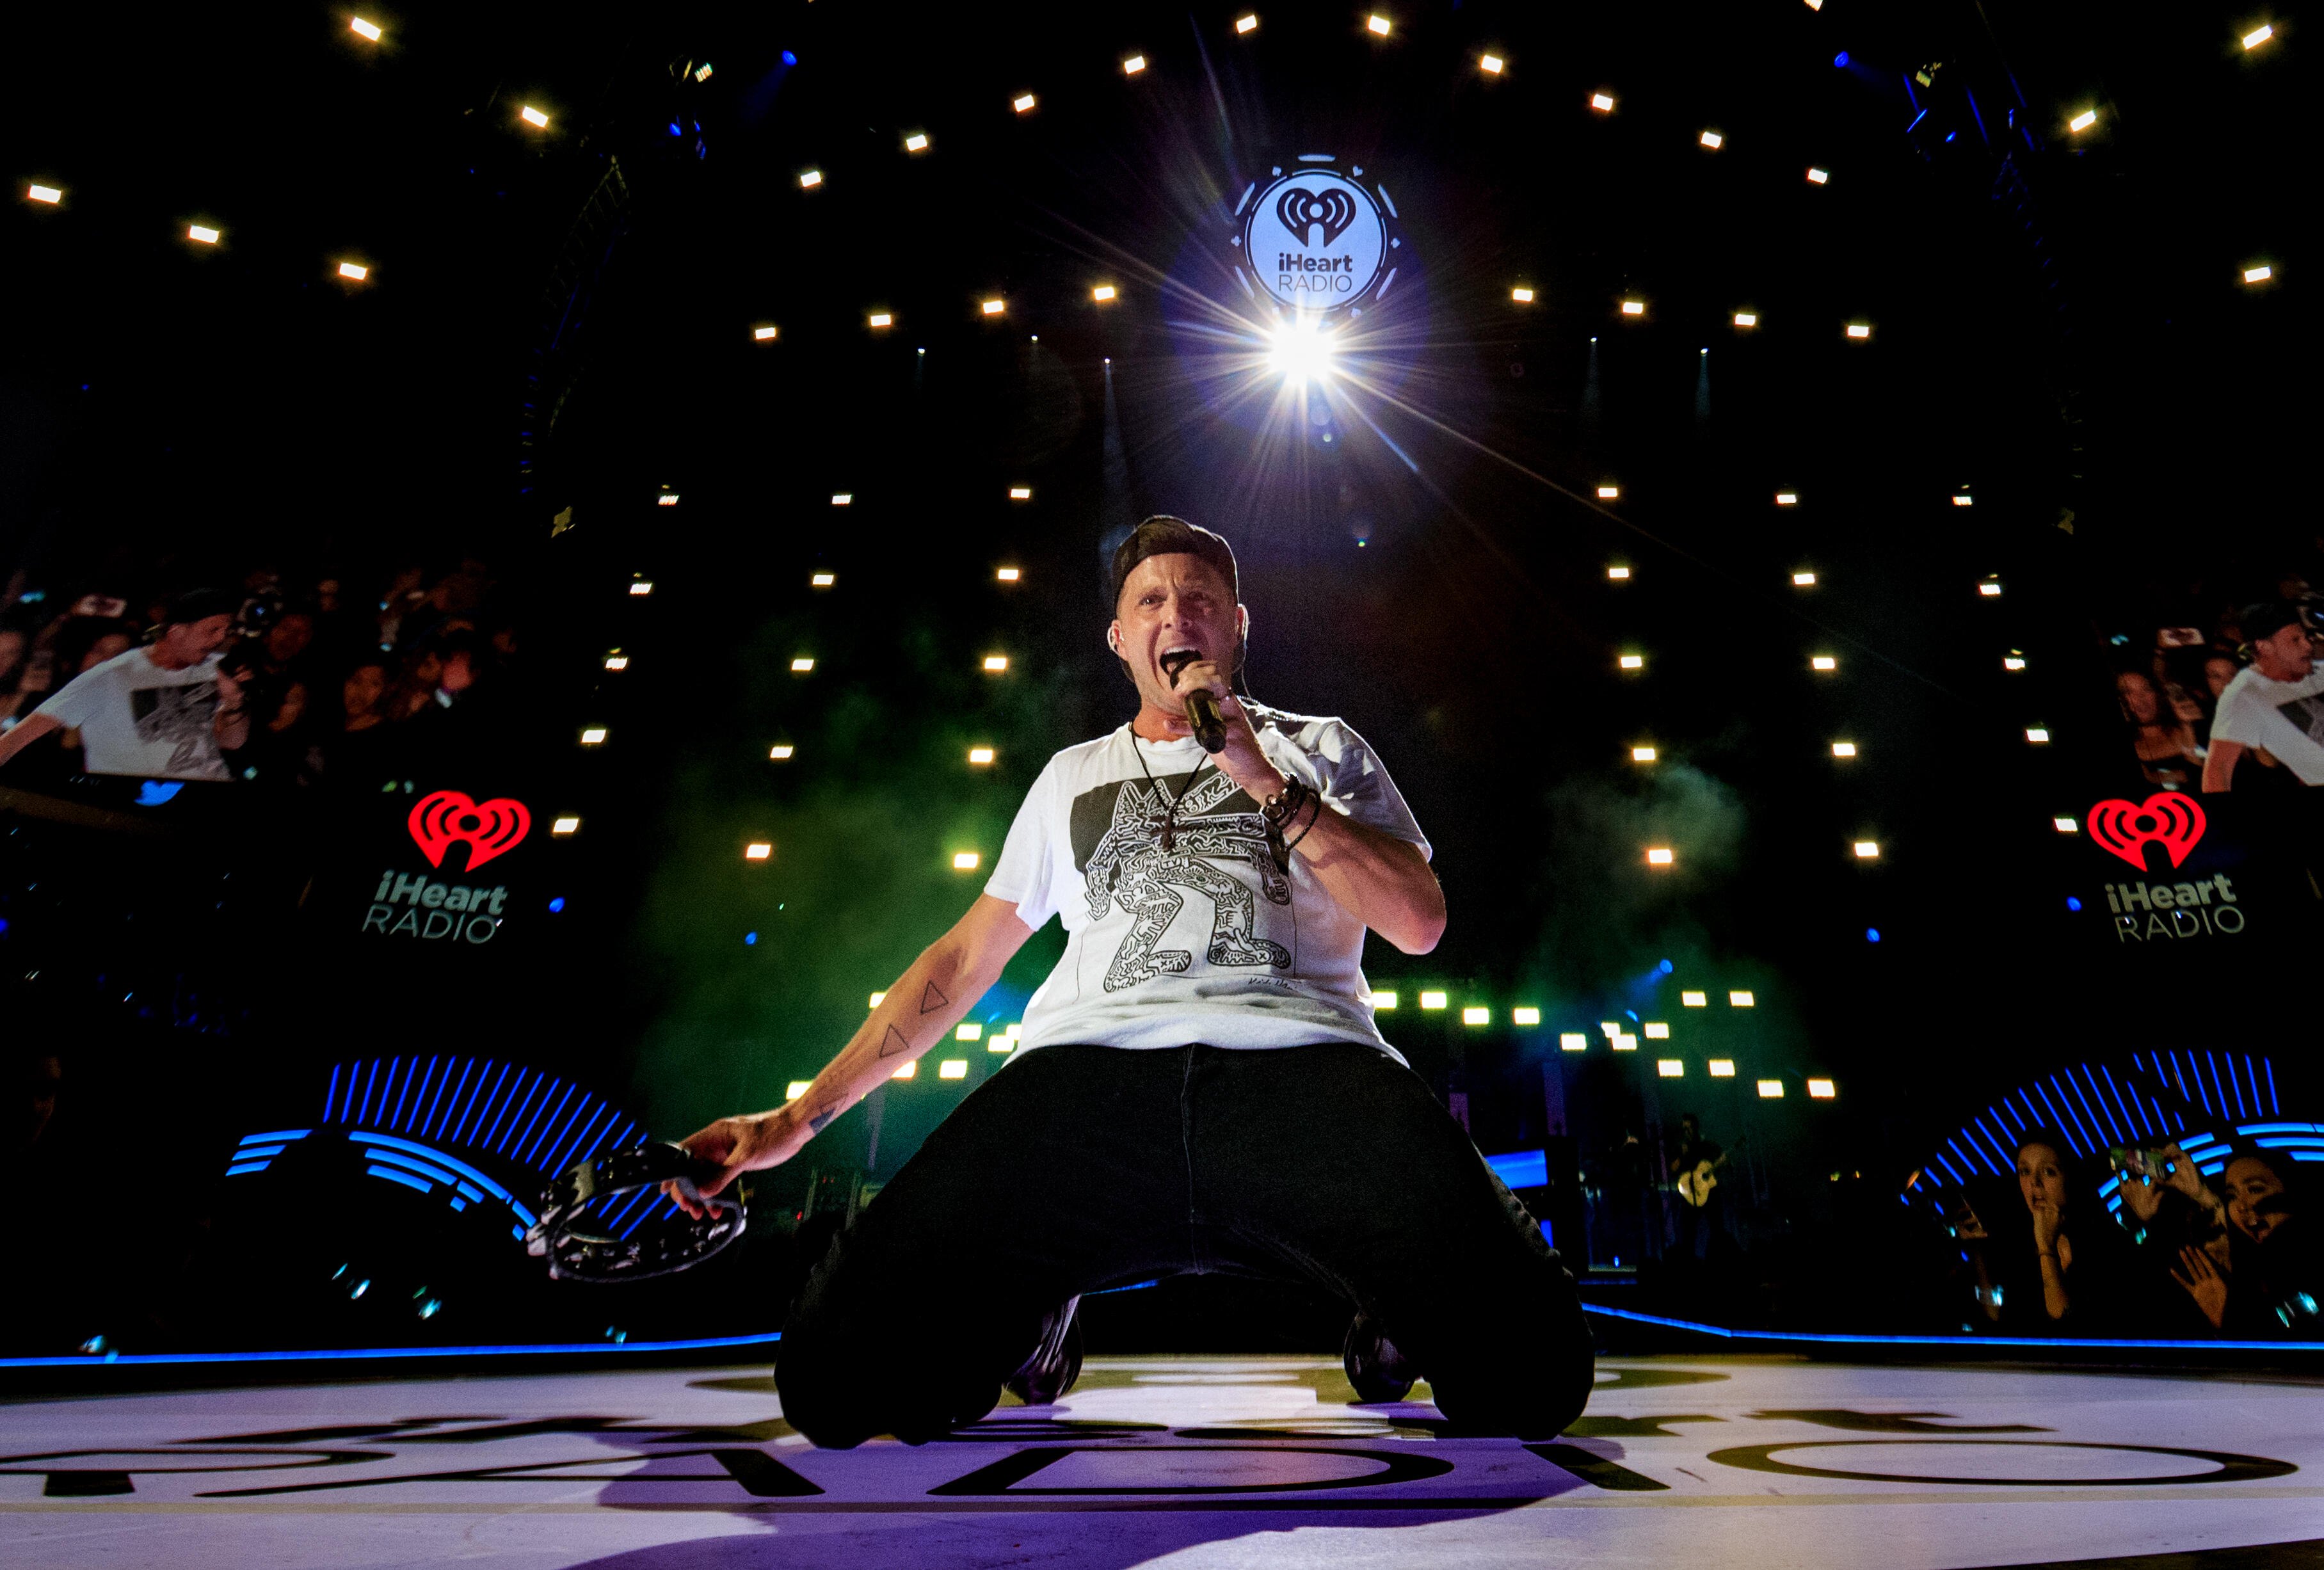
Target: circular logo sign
1316, 240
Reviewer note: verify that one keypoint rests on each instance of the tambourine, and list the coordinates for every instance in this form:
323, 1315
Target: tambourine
595, 1225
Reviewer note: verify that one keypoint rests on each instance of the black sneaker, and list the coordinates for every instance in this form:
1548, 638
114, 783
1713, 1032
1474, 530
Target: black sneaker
1055, 1362
1378, 1370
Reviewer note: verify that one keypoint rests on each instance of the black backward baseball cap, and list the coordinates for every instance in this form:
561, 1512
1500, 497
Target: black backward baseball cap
200, 604
1163, 535
2266, 619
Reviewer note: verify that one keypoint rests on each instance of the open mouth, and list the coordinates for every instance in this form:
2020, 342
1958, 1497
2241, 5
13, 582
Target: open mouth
1178, 657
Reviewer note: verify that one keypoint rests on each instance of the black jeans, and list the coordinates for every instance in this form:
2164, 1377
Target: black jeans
1081, 1168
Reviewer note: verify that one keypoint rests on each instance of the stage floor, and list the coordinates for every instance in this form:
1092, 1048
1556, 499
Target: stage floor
1735, 1464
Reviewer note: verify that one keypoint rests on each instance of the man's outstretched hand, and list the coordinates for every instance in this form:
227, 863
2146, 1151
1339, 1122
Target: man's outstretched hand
738, 1145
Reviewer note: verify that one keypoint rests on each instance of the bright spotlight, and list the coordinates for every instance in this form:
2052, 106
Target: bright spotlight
1642, 754
952, 1069
842, 498
1712, 140
1822, 662
1771, 1089
2260, 35
1491, 65
1476, 1016
1694, 1000
642, 586
45, 193
1300, 351
2065, 826
763, 335
1823, 1089
1990, 590
980, 754
1022, 103
1856, 330
1522, 296
802, 665
810, 179
1670, 1068
1803, 580
1619, 574
202, 233
2260, 274
2083, 121
1723, 1068
1658, 856
918, 141
996, 662
1742, 999
993, 307
1376, 24
1963, 499
1747, 318
2038, 736
1387, 1000
2013, 661
822, 579
1657, 1030
1133, 64
666, 499
906, 1071
1101, 293
1632, 662
356, 271
1867, 850
1573, 1041
370, 31
757, 851
782, 751
1607, 493
1602, 102
1843, 749
566, 826
1009, 574
880, 319
1525, 1016
965, 861
533, 117
617, 662
1634, 307
1817, 176
1246, 24
594, 736
968, 1030
1432, 1000
1021, 493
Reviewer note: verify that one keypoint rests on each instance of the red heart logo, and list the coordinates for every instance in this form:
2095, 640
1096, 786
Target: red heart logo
2166, 817
490, 827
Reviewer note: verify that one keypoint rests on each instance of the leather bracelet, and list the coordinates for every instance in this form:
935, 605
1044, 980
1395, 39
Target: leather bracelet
1279, 808
1317, 798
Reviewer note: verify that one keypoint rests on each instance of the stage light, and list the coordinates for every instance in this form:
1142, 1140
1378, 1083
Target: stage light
45, 193
617, 662
202, 233
823, 580
798, 1088
1771, 1090
1856, 330
666, 499
1656, 1030
1817, 176
1384, 1002
878, 998
1642, 754
1722, 1068
1634, 307
1742, 999
1101, 293
1607, 492
1670, 1068
802, 664
842, 498
1007, 574
810, 179
1712, 140
918, 141
1476, 1016
1021, 493
1300, 349
356, 271
2037, 734
1792, 499
1602, 102
1867, 850
2083, 121
1747, 318
1522, 296
1022, 103
980, 754
1694, 1000
2258, 35
1990, 588
1246, 24
566, 826
1658, 856
1376, 24
1003, 1043
1822, 662
1573, 1041
1625, 1042
996, 661
1133, 64
2258, 274
594, 736
1632, 662
993, 307
757, 851
905, 1070
1432, 1000
780, 751
1823, 1089
642, 586
1525, 1016
764, 335
362, 29
2013, 661
952, 1069
1619, 574
1843, 749
880, 319
2065, 826
965, 861
533, 117
1491, 65
702, 72
1963, 499
1610, 1028
968, 1031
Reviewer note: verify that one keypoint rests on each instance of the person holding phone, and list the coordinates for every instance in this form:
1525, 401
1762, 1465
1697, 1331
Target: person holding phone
2070, 1280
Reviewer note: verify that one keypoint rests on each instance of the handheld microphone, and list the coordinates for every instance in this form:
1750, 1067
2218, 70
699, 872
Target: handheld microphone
1201, 705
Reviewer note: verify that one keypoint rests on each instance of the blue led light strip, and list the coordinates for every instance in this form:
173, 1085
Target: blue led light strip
566, 1348
1834, 1338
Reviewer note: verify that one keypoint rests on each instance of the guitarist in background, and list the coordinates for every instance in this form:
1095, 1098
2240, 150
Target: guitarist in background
1699, 1167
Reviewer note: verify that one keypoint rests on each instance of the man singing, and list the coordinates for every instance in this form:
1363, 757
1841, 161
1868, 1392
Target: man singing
1200, 1085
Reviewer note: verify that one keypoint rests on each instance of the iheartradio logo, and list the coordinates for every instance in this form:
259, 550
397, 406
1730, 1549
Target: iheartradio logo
489, 828
2165, 818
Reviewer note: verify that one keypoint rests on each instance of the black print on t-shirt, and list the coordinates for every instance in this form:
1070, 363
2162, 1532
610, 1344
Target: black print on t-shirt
1116, 832
180, 715
2306, 716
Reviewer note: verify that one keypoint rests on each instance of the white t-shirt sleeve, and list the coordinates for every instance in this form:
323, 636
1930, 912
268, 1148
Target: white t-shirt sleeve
1026, 874
82, 698
1354, 782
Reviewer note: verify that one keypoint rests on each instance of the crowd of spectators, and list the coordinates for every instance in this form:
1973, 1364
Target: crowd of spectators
2230, 1255
316, 682
2172, 695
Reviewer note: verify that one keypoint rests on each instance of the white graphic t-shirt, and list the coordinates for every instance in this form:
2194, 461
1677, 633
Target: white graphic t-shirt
2286, 717
136, 719
1204, 940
